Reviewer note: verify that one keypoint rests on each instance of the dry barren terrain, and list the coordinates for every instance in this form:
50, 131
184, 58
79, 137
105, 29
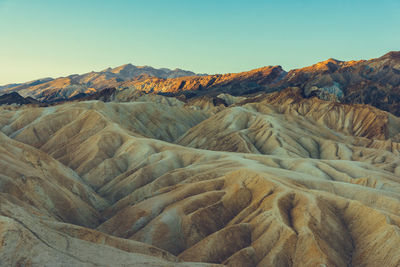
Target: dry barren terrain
261, 180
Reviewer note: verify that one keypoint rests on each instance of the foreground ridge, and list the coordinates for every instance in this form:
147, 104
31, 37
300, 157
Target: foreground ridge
268, 179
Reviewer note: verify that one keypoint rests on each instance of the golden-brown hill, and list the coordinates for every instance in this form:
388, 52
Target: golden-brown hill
269, 180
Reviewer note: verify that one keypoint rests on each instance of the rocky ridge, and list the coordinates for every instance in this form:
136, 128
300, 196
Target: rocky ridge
52, 90
375, 82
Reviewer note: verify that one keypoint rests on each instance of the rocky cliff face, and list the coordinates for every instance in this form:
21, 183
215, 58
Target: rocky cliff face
264, 180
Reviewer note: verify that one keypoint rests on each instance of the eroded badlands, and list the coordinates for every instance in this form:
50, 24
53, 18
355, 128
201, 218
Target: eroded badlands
266, 180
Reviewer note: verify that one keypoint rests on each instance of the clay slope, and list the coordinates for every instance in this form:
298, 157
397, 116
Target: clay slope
268, 180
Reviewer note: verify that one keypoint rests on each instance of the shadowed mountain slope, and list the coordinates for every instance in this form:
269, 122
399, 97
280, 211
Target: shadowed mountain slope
15, 98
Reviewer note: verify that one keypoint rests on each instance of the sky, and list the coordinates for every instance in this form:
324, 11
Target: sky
47, 38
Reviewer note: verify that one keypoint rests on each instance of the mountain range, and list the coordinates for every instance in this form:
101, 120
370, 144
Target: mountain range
375, 82
49, 89
260, 168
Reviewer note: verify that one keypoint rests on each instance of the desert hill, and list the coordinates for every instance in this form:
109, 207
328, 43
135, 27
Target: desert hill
268, 179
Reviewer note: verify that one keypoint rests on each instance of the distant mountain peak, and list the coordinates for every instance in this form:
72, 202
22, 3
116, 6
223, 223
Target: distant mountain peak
62, 88
125, 67
330, 79
332, 61
392, 55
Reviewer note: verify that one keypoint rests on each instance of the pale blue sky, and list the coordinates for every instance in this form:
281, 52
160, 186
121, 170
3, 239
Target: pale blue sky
42, 38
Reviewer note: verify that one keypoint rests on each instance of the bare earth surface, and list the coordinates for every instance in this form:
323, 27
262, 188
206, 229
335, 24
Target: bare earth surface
375, 82
267, 180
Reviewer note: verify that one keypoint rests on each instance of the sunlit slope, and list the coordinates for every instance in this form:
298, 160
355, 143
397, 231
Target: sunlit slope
269, 180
